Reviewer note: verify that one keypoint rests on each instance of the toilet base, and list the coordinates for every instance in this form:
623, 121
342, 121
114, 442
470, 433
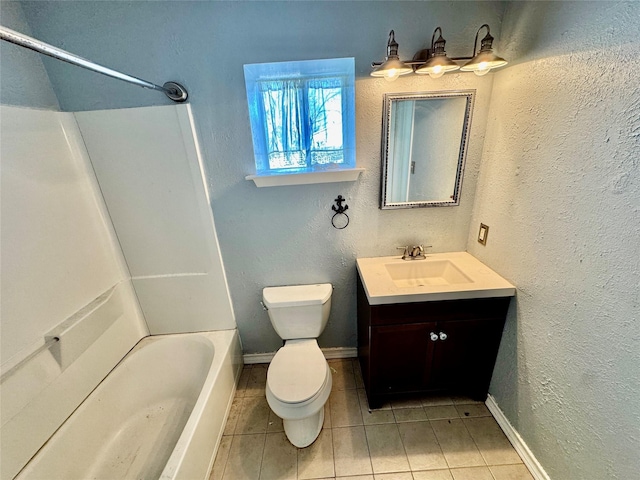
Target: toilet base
303, 432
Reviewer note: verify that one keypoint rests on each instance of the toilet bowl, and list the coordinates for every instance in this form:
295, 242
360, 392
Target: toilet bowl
299, 379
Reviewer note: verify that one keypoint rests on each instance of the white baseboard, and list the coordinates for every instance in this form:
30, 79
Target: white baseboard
329, 353
516, 440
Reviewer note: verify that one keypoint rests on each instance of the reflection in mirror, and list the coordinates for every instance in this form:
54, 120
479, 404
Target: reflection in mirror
423, 148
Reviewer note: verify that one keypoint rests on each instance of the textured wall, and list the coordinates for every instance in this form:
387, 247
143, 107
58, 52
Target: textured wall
560, 189
280, 235
23, 79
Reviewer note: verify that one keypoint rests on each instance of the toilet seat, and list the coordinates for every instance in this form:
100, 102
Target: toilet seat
297, 372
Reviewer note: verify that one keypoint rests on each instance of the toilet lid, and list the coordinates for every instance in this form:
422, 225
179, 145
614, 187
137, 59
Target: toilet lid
297, 372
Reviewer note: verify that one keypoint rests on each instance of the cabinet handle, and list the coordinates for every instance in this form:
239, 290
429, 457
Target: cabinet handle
443, 336
434, 336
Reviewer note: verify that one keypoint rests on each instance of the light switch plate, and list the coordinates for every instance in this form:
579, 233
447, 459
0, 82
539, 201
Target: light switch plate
483, 233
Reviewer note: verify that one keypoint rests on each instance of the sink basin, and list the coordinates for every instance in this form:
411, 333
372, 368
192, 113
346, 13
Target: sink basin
420, 273
441, 276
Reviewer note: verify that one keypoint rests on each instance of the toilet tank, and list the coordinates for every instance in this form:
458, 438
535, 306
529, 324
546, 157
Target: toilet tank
298, 311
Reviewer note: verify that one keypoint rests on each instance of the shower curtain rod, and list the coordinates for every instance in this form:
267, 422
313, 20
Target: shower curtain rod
173, 90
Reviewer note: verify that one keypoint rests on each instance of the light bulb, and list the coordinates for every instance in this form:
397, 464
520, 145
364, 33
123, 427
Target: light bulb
391, 75
436, 72
483, 69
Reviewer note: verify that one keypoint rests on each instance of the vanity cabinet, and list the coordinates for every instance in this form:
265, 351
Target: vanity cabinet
416, 348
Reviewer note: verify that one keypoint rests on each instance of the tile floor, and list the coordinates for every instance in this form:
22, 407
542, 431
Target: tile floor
436, 438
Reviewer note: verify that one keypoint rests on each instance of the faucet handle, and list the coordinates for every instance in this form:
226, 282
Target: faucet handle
417, 252
405, 251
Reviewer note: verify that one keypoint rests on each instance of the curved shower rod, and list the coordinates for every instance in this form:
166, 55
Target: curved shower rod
173, 90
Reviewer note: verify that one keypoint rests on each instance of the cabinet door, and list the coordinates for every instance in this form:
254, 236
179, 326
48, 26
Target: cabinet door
402, 357
464, 357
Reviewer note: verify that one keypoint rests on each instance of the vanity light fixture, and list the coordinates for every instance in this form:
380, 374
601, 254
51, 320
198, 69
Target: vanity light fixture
485, 60
435, 62
392, 67
438, 63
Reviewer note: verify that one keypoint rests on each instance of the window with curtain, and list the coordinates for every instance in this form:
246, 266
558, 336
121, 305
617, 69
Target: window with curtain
302, 115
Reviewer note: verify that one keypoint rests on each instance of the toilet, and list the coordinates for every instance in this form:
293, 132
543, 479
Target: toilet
299, 378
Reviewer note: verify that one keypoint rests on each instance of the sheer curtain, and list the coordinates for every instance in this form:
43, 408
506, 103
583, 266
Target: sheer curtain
303, 122
302, 115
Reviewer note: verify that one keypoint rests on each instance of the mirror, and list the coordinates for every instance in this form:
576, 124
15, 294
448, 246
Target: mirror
424, 145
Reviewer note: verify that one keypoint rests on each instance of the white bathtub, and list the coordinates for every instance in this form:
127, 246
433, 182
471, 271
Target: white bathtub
158, 414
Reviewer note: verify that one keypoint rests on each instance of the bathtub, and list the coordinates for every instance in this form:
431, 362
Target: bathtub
158, 415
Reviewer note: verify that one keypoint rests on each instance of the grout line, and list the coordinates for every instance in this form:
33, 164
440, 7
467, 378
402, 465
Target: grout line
475, 443
333, 451
264, 447
364, 429
438, 440
226, 460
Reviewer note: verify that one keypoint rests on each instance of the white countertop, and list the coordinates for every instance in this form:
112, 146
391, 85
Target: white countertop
480, 282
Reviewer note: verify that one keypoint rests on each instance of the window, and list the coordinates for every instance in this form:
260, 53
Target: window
302, 115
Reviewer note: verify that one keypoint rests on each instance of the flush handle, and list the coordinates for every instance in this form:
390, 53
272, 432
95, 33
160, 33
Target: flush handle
434, 336
443, 336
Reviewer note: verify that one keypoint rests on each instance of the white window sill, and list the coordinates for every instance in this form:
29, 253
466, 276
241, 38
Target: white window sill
328, 176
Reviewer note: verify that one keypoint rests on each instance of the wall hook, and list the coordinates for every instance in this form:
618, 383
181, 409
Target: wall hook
339, 209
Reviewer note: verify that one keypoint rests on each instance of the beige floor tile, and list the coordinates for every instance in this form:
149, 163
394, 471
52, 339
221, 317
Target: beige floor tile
245, 457
275, 423
343, 364
376, 417
244, 379
257, 381
221, 458
234, 413
371, 417
342, 374
280, 458
510, 472
441, 412
457, 445
433, 475
421, 445
393, 476
491, 441
350, 451
473, 410
254, 416
345, 408
386, 449
409, 414
473, 473
436, 400
316, 461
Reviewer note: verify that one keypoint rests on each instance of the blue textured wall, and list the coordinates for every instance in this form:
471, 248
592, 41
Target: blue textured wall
280, 235
23, 80
560, 188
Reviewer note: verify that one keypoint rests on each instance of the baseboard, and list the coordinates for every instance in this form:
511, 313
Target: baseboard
516, 440
329, 353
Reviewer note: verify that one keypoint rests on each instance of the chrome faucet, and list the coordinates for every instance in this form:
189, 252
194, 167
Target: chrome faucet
414, 253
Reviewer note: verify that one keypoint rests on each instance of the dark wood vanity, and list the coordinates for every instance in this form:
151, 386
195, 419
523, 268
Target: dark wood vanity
448, 346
